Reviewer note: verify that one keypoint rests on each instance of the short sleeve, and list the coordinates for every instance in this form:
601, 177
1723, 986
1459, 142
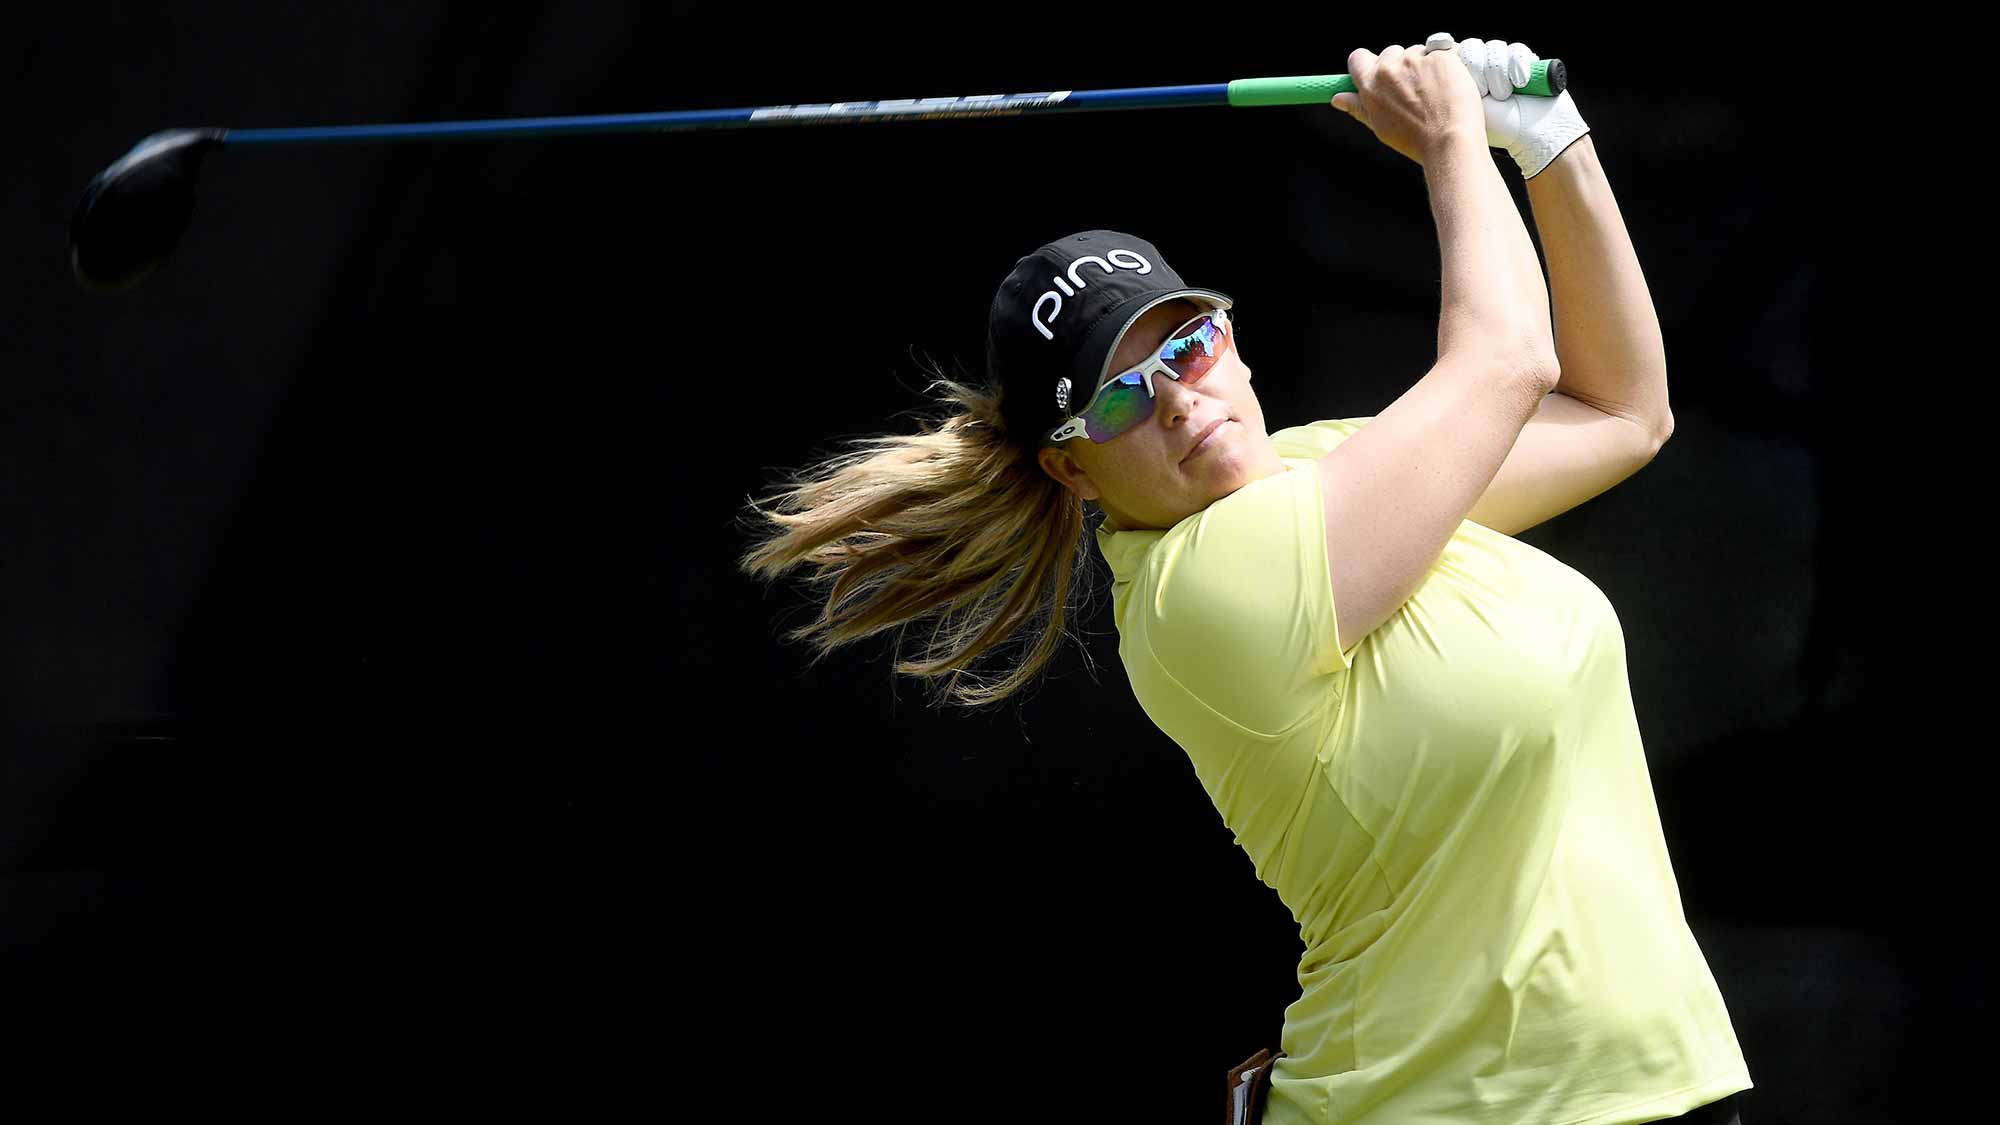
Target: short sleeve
1240, 606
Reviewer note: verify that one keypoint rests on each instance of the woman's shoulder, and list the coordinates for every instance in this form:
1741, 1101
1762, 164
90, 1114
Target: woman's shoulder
1314, 440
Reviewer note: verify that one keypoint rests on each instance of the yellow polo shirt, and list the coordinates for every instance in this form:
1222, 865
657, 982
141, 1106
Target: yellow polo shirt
1455, 807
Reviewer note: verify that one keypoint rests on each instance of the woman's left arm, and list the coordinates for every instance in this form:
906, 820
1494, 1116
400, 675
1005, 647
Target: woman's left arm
1606, 333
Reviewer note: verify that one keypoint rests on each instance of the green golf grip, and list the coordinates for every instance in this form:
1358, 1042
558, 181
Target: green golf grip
1546, 79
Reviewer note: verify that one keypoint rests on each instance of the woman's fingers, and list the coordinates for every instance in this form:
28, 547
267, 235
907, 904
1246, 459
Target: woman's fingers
1473, 51
1478, 58
1362, 65
1498, 85
1497, 67
1520, 64
1409, 102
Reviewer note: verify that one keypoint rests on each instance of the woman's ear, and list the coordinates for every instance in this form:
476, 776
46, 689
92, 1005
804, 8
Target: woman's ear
1064, 468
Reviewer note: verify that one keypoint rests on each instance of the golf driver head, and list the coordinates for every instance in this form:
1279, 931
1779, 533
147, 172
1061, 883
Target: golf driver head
133, 213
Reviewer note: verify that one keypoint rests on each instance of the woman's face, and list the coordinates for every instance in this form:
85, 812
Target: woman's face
1152, 476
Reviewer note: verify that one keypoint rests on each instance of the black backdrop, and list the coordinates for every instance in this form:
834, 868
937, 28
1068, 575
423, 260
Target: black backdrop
383, 707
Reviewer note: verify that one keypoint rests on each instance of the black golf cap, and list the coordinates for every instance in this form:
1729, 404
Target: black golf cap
1058, 318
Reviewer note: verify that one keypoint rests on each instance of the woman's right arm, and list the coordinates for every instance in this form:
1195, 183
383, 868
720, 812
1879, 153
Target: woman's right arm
1394, 492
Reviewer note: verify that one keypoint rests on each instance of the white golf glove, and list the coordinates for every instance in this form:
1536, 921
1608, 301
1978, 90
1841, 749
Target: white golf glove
1533, 130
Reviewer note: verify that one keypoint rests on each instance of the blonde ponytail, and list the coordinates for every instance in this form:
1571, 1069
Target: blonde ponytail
955, 526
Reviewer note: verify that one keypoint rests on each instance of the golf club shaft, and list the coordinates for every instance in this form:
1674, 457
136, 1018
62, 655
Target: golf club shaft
1547, 80
133, 213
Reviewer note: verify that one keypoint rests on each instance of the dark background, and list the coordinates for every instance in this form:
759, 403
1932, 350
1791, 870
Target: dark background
384, 713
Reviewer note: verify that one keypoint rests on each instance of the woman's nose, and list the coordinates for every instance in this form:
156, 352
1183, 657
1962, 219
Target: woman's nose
1176, 400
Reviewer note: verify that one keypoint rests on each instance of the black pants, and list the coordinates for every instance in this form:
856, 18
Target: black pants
1728, 1111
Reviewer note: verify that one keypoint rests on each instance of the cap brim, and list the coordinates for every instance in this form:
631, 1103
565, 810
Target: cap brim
1093, 359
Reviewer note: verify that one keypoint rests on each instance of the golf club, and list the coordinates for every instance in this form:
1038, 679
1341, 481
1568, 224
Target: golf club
133, 213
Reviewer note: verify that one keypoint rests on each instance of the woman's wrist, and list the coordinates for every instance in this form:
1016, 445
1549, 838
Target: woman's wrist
1457, 143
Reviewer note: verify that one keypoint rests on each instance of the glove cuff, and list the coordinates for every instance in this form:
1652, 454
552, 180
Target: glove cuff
1550, 137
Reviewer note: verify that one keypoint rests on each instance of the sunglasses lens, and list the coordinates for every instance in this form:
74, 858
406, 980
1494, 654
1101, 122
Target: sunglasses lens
1191, 356
1123, 405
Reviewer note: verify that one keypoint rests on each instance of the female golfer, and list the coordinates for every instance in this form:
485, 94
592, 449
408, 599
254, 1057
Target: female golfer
1419, 728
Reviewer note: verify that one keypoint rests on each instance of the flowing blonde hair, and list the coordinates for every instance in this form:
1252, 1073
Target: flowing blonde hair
955, 525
